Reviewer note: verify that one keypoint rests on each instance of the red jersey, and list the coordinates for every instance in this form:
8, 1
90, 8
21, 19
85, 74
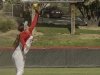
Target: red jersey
24, 35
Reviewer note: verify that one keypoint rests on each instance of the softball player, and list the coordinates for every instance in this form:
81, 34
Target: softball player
24, 43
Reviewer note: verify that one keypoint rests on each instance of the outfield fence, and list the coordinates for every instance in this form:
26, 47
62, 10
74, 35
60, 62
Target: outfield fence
55, 57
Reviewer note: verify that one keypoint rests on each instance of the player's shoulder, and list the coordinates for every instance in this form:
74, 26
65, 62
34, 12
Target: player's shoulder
23, 32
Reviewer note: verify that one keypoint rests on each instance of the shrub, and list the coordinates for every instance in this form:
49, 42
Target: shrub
7, 23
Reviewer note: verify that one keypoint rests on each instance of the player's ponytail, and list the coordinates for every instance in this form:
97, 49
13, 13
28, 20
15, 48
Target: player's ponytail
17, 40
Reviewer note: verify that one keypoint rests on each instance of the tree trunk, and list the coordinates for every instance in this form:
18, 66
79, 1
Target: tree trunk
92, 22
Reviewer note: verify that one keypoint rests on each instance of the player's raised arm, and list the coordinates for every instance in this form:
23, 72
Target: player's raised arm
34, 22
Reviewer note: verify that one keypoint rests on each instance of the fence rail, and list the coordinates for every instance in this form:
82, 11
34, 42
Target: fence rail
55, 57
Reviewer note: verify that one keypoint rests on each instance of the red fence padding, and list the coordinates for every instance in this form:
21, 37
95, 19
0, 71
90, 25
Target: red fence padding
56, 48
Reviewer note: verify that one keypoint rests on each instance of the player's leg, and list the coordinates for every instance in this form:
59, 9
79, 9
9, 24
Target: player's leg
19, 63
14, 63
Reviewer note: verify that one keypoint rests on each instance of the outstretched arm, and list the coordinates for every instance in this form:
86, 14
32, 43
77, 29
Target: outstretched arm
34, 22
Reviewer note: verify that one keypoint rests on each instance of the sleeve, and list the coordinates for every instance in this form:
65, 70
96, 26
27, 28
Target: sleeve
22, 38
34, 22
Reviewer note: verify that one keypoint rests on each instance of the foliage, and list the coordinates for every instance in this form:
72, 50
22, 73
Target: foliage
7, 23
89, 6
12, 1
7, 8
90, 9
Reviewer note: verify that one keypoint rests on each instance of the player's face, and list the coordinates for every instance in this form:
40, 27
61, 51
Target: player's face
26, 27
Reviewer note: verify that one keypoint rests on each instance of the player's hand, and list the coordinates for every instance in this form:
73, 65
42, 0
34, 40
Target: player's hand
36, 8
26, 47
36, 11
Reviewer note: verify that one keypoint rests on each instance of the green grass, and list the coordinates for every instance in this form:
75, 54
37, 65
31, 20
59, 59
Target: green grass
86, 31
53, 71
62, 37
56, 36
6, 41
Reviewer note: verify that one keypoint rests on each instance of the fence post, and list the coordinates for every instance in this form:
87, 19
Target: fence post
72, 18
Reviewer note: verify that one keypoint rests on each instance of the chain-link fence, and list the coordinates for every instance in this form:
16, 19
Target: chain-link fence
14, 10
55, 57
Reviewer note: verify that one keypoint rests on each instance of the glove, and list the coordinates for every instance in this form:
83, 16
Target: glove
36, 11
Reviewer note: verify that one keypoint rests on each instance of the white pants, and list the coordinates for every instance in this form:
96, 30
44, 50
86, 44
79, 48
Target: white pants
19, 61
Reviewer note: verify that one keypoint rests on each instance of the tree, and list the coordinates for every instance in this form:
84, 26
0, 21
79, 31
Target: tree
13, 1
90, 10
1, 4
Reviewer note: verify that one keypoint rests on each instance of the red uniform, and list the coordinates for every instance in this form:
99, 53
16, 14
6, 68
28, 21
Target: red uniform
19, 53
25, 35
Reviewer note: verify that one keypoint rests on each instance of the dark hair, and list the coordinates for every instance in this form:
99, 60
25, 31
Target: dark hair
17, 40
21, 27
